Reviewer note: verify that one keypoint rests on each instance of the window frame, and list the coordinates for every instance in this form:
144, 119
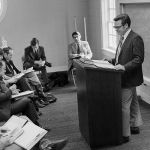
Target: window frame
3, 9
106, 21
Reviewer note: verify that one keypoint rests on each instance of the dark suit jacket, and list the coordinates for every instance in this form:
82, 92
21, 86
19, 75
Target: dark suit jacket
5, 101
132, 57
10, 68
31, 56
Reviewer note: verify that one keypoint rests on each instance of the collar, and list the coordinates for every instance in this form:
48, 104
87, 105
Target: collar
126, 34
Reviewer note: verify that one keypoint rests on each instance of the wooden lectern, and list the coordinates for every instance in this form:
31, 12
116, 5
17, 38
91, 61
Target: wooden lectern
99, 104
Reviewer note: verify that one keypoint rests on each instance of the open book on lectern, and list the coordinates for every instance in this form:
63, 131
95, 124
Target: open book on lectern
103, 64
24, 133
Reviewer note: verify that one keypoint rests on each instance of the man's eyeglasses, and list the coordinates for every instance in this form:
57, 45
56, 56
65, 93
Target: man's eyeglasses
74, 37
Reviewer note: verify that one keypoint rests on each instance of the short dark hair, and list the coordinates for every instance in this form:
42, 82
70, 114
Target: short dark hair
34, 41
1, 52
75, 33
6, 50
125, 19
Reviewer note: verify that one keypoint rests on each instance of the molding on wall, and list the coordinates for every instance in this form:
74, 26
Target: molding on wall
133, 1
121, 3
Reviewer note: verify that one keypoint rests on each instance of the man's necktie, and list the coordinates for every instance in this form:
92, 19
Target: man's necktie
78, 49
36, 53
119, 49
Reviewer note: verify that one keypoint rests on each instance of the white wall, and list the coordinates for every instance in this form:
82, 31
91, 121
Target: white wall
51, 21
94, 26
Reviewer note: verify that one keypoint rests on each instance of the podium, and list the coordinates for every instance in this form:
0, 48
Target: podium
99, 104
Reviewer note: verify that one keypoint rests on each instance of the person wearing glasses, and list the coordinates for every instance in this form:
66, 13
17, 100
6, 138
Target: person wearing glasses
78, 49
129, 58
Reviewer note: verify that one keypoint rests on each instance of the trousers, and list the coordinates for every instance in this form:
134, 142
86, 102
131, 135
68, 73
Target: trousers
131, 115
26, 107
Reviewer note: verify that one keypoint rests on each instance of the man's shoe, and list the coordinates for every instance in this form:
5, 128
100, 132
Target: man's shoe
39, 104
47, 88
53, 145
51, 99
44, 102
125, 139
135, 130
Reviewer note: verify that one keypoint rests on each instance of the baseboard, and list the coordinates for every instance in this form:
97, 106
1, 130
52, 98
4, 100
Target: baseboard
57, 69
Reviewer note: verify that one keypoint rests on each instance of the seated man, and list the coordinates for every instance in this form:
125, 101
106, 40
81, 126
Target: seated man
31, 78
11, 107
78, 49
34, 56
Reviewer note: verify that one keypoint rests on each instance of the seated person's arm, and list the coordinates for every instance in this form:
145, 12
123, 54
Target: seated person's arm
43, 57
72, 55
5, 96
28, 61
9, 80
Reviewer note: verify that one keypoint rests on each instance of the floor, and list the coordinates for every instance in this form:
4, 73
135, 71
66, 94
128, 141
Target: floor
62, 118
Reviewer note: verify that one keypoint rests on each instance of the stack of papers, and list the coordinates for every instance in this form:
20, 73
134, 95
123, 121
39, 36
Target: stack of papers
30, 134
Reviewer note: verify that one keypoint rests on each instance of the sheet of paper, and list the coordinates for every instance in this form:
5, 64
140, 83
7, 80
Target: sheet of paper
15, 121
31, 135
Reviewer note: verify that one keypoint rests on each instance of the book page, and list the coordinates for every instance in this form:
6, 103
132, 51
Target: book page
14, 126
103, 64
21, 94
15, 121
31, 135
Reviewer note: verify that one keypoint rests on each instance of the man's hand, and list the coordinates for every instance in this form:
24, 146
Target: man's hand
40, 63
82, 55
5, 137
14, 89
120, 67
43, 62
12, 80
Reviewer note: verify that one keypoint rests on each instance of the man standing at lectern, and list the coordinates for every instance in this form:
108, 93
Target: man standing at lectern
129, 58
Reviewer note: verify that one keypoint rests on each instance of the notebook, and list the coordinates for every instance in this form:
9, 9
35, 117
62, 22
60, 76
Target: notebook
19, 75
29, 133
22, 94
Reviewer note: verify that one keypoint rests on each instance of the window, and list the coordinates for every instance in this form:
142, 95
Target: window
3, 4
109, 34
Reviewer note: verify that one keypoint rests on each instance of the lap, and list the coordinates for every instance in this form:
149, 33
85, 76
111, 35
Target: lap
13, 147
